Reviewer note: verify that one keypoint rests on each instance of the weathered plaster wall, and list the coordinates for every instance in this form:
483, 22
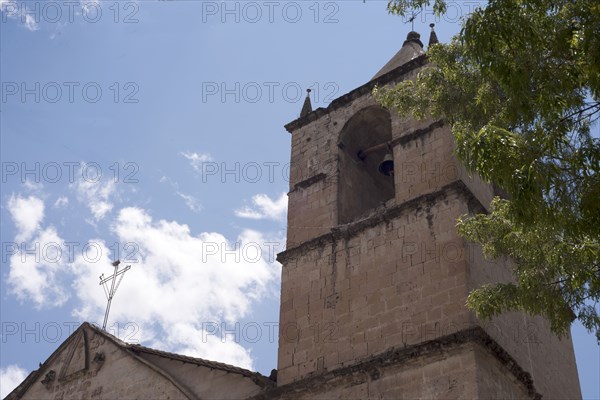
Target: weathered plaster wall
118, 376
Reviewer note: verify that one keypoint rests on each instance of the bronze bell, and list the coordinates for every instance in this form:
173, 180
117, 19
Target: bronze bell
386, 167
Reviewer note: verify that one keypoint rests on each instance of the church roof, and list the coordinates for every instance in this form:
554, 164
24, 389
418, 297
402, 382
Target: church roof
257, 377
410, 56
307, 106
147, 354
411, 49
347, 98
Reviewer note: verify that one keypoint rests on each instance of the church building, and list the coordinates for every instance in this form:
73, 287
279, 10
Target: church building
374, 282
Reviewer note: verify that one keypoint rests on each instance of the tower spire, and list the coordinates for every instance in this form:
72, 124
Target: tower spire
433, 39
307, 107
411, 49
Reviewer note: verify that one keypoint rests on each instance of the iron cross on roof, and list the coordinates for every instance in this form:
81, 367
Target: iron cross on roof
113, 288
412, 20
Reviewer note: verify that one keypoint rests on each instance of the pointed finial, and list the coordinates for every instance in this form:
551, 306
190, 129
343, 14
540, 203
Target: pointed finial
307, 107
433, 39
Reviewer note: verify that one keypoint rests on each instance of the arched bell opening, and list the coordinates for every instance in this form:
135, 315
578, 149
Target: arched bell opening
365, 163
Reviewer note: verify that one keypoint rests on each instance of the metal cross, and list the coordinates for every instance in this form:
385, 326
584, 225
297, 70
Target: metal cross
110, 293
412, 20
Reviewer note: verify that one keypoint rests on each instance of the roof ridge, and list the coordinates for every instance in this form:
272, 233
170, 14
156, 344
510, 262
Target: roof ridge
210, 363
181, 357
255, 376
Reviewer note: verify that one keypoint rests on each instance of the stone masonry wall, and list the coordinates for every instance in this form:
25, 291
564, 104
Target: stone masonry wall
399, 275
393, 279
550, 360
463, 365
448, 376
314, 171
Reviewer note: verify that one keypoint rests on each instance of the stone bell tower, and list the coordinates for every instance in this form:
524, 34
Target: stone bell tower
375, 277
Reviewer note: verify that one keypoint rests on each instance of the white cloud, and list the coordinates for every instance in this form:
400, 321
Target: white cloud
88, 3
58, 30
263, 207
11, 377
180, 281
37, 256
193, 340
33, 186
61, 202
27, 213
191, 202
30, 23
196, 159
166, 179
35, 269
96, 195
18, 10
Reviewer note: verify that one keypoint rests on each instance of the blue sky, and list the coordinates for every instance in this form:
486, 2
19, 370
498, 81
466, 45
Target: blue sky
154, 129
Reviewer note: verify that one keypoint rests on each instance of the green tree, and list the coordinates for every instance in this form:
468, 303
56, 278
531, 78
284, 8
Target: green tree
520, 88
